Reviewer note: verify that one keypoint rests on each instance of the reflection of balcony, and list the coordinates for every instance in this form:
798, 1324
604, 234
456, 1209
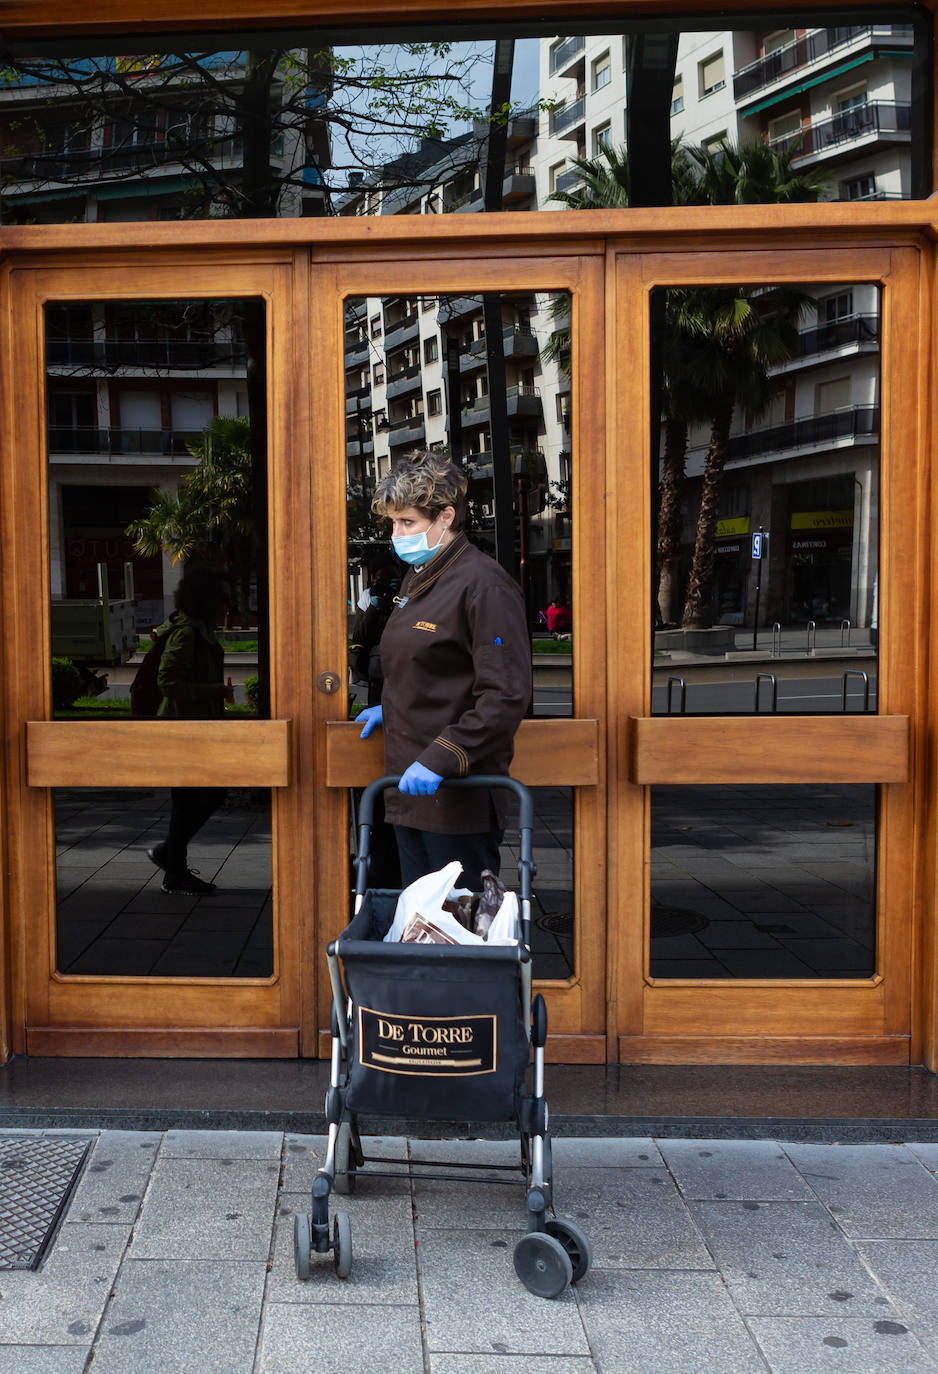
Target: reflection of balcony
822, 47
566, 55
158, 354
882, 120
837, 428
409, 431
523, 401
402, 332
855, 329
357, 353
358, 399
477, 413
454, 307
404, 382
567, 180
122, 442
565, 121
517, 343
356, 448
519, 183
83, 163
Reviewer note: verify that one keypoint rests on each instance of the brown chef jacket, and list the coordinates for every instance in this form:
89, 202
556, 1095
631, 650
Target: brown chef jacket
456, 658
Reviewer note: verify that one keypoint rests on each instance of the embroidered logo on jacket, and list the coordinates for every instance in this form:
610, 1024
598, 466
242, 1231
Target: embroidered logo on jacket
425, 625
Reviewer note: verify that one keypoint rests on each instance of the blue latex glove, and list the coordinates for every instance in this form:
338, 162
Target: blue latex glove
369, 718
419, 781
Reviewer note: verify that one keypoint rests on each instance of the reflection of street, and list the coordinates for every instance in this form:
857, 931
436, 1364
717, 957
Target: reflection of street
114, 919
771, 882
795, 695
552, 914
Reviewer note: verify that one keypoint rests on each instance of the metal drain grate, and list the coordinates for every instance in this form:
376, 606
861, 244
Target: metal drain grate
37, 1175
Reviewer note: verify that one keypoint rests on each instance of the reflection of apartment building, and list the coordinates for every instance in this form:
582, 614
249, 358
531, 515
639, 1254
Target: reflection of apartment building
806, 470
131, 385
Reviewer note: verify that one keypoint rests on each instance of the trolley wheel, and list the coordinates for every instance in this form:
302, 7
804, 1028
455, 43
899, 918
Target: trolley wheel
302, 1244
579, 1251
542, 1264
342, 1244
344, 1162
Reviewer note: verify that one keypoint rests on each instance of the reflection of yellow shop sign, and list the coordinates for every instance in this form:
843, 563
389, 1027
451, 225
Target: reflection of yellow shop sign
822, 520
431, 1046
727, 528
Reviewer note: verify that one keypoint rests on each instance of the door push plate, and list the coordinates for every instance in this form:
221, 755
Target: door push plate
328, 682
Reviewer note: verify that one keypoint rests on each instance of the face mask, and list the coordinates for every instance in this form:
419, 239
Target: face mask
414, 549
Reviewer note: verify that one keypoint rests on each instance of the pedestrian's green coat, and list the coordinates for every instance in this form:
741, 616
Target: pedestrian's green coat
192, 670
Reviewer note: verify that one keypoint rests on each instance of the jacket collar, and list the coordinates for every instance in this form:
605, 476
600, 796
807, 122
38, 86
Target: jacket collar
419, 579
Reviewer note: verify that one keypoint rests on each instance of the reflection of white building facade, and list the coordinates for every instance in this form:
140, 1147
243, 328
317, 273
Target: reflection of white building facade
807, 470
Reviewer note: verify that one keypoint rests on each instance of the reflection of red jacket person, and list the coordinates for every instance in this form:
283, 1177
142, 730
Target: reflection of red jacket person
558, 619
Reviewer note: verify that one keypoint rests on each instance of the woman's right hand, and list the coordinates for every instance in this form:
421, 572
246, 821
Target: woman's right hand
370, 717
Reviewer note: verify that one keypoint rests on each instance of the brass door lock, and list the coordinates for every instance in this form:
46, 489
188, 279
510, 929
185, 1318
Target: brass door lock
328, 682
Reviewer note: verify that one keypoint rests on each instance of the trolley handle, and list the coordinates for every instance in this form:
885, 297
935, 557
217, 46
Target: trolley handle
525, 821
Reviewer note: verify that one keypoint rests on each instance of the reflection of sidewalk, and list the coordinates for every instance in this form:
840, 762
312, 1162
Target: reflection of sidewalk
724, 1256
113, 917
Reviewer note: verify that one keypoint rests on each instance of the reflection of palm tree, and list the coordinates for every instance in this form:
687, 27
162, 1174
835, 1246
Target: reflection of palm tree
716, 343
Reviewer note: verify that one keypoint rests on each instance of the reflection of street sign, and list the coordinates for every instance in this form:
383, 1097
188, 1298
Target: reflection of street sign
757, 545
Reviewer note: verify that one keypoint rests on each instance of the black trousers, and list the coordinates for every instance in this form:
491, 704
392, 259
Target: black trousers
422, 852
190, 808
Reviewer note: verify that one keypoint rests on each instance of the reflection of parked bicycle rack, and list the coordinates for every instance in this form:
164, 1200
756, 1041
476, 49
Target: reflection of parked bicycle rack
683, 694
855, 672
766, 677
776, 640
845, 628
812, 636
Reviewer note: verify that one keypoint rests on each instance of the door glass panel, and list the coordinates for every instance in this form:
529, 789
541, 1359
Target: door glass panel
156, 433
485, 378
763, 882
765, 477
113, 917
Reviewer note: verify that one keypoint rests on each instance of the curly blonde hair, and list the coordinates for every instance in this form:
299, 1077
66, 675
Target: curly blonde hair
426, 480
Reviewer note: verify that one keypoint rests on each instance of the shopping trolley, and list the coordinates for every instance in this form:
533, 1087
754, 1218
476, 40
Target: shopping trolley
439, 1032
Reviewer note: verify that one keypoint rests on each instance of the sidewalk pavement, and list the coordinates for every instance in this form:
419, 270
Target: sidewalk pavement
175, 1256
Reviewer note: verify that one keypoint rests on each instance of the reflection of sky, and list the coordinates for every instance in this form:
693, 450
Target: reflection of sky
476, 92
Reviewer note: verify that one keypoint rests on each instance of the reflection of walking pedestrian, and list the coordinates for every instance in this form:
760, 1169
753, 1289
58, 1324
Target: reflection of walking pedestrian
192, 682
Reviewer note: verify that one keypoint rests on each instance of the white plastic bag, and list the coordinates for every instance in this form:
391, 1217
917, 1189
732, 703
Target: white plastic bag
425, 897
506, 928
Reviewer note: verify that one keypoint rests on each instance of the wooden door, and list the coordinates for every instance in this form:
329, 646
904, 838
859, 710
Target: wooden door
558, 753
92, 981
845, 1017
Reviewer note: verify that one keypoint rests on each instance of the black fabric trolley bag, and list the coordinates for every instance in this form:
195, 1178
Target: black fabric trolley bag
445, 1033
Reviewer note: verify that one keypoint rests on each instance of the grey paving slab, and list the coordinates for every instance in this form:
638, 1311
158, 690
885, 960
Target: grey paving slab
756, 1170
511, 1364
180, 1317
786, 1259
644, 1322
880, 1191
62, 1303
467, 1202
634, 1218
927, 1153
493, 1312
203, 1208
635, 1152
810, 1345
42, 1359
908, 1272
304, 1155
298, 1338
222, 1145
115, 1179
384, 1266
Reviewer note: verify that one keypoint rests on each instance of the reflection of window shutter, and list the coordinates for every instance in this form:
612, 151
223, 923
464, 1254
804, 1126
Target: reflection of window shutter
832, 395
712, 74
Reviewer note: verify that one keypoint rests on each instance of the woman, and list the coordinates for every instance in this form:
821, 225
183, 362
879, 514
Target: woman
456, 659
191, 678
